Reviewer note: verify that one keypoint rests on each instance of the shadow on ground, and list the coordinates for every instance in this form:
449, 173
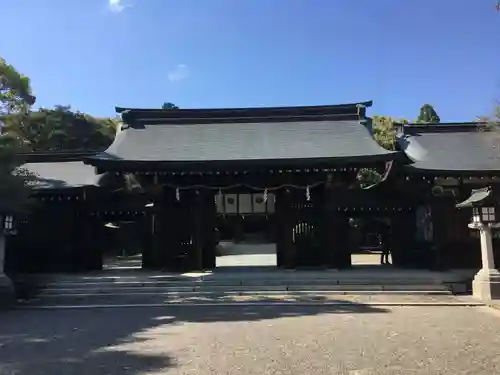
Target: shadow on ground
120, 262
98, 341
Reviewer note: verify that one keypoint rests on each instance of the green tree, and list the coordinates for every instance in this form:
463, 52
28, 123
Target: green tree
428, 114
384, 132
14, 190
15, 90
15, 99
169, 105
60, 129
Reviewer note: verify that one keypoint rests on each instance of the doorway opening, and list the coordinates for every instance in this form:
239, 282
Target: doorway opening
123, 247
246, 232
371, 241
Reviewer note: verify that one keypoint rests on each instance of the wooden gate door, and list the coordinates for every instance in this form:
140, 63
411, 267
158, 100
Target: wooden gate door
172, 237
184, 231
298, 229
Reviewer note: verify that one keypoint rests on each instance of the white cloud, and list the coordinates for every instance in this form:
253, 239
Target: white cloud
179, 73
117, 6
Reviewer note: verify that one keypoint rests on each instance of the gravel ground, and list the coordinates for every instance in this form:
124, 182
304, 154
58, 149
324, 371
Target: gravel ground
292, 298
244, 254
354, 340
416, 299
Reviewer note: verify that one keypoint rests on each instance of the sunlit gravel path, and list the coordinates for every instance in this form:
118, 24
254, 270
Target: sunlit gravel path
293, 340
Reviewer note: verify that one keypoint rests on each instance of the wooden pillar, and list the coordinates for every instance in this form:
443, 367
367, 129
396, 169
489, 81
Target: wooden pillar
279, 233
289, 222
2, 245
309, 248
88, 233
439, 223
148, 233
173, 230
285, 222
7, 292
452, 236
197, 219
80, 254
344, 241
92, 242
154, 259
238, 230
62, 247
160, 244
463, 241
337, 229
329, 227
209, 234
402, 239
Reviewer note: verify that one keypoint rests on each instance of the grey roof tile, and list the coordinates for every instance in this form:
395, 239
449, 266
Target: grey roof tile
58, 175
464, 147
477, 197
245, 141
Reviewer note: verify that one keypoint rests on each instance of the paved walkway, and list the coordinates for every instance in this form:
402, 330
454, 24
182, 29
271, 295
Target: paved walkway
108, 302
293, 340
237, 255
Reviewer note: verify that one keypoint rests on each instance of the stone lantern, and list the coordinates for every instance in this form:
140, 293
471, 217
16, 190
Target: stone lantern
6, 287
8, 225
486, 283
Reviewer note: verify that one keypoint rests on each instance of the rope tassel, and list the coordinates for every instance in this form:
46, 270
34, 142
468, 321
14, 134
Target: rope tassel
219, 196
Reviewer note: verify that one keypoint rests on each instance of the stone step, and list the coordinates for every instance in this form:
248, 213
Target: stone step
242, 292
140, 288
252, 282
252, 278
247, 280
165, 299
411, 276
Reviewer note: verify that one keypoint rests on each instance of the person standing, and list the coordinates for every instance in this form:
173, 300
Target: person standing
384, 245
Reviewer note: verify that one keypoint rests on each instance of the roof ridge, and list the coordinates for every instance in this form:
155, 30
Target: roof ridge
140, 122
245, 109
137, 115
450, 127
55, 156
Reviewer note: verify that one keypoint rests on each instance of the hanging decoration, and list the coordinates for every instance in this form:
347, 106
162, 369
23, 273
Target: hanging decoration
219, 197
308, 194
236, 186
359, 108
388, 168
177, 195
264, 197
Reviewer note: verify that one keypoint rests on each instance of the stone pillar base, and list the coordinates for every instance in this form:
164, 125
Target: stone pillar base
7, 293
486, 285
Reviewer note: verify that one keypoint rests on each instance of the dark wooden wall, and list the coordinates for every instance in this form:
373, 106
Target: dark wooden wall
65, 234
56, 237
456, 247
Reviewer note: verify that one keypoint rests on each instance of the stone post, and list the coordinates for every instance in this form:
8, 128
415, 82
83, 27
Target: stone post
7, 295
486, 283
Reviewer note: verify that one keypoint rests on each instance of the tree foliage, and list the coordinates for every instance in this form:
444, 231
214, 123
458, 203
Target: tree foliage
15, 90
60, 129
169, 105
14, 190
384, 130
15, 99
428, 114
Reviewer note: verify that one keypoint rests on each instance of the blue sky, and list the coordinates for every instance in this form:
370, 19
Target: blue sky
93, 54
